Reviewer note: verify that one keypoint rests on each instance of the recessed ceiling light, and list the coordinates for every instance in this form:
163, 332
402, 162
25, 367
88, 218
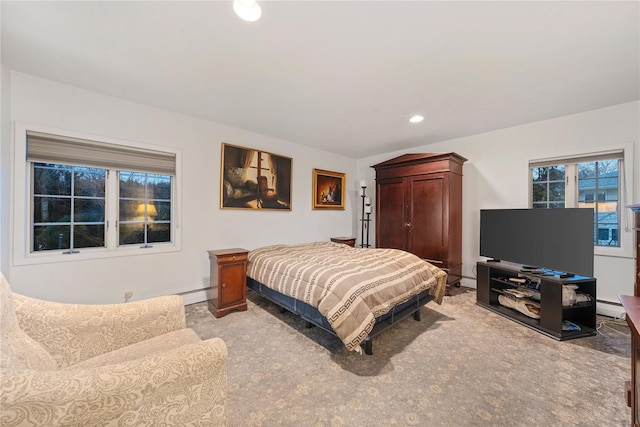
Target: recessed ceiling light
416, 119
249, 10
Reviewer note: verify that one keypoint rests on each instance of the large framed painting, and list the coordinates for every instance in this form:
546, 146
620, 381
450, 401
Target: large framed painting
254, 179
328, 189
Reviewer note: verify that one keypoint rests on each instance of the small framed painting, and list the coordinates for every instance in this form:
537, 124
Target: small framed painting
328, 189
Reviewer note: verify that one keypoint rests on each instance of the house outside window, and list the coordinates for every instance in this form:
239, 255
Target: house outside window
588, 182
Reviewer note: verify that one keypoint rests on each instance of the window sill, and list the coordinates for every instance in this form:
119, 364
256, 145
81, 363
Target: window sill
93, 254
616, 252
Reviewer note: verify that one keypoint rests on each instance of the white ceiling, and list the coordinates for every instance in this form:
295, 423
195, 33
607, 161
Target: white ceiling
342, 76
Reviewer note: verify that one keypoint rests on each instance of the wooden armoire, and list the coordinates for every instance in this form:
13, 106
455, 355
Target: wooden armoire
636, 210
419, 208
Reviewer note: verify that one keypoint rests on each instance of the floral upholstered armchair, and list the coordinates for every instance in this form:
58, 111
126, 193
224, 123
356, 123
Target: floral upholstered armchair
133, 364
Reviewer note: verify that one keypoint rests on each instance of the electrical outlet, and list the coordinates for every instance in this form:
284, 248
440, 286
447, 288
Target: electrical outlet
127, 296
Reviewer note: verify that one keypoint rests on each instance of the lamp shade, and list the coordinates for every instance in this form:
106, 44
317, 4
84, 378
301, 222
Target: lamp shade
149, 208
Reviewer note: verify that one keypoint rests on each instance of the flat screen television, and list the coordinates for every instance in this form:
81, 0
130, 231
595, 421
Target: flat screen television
555, 239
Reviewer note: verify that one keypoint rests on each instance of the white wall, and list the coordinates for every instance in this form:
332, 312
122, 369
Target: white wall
496, 176
204, 225
5, 135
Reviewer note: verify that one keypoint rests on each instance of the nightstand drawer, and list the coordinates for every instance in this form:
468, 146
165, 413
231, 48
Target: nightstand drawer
232, 258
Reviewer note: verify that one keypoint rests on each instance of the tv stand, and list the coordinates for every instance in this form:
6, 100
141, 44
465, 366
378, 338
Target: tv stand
494, 279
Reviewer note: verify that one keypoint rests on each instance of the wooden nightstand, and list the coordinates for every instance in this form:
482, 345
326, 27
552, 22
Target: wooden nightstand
228, 280
349, 241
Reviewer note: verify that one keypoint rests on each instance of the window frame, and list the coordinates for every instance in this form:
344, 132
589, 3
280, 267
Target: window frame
625, 152
21, 192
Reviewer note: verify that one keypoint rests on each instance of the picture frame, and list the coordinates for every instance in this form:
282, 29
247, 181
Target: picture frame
254, 179
328, 190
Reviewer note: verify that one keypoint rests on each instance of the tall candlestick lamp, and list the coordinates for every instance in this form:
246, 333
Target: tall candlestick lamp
366, 211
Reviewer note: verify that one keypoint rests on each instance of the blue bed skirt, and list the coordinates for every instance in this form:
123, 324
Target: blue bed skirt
313, 316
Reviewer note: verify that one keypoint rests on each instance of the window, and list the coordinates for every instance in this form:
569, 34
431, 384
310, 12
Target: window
68, 207
90, 196
587, 182
145, 208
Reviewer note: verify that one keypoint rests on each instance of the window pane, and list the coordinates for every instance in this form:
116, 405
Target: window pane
539, 192
608, 168
159, 187
159, 232
51, 209
132, 185
51, 237
89, 182
587, 170
89, 210
88, 236
51, 180
163, 210
131, 233
128, 210
556, 173
556, 192
539, 174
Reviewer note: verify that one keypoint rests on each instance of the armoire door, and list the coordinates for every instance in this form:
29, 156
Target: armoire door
427, 217
390, 226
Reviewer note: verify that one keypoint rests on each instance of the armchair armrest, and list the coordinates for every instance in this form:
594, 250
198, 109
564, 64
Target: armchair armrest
182, 386
72, 333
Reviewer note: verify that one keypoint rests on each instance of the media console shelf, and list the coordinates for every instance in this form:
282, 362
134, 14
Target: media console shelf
494, 279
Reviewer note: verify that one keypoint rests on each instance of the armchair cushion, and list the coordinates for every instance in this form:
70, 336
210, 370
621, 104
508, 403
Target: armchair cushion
179, 387
72, 333
125, 364
140, 349
18, 348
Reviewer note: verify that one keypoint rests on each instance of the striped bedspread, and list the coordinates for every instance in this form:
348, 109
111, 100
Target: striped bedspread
349, 286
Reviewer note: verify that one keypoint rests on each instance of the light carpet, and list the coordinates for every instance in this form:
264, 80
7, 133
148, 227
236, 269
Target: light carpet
461, 365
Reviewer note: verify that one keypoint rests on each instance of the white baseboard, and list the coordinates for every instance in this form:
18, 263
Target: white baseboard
468, 282
194, 297
611, 309
604, 308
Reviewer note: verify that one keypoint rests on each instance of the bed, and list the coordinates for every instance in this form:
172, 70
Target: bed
353, 293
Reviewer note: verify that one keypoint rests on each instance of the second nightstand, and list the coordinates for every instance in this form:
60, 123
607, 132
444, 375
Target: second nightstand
228, 280
349, 241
